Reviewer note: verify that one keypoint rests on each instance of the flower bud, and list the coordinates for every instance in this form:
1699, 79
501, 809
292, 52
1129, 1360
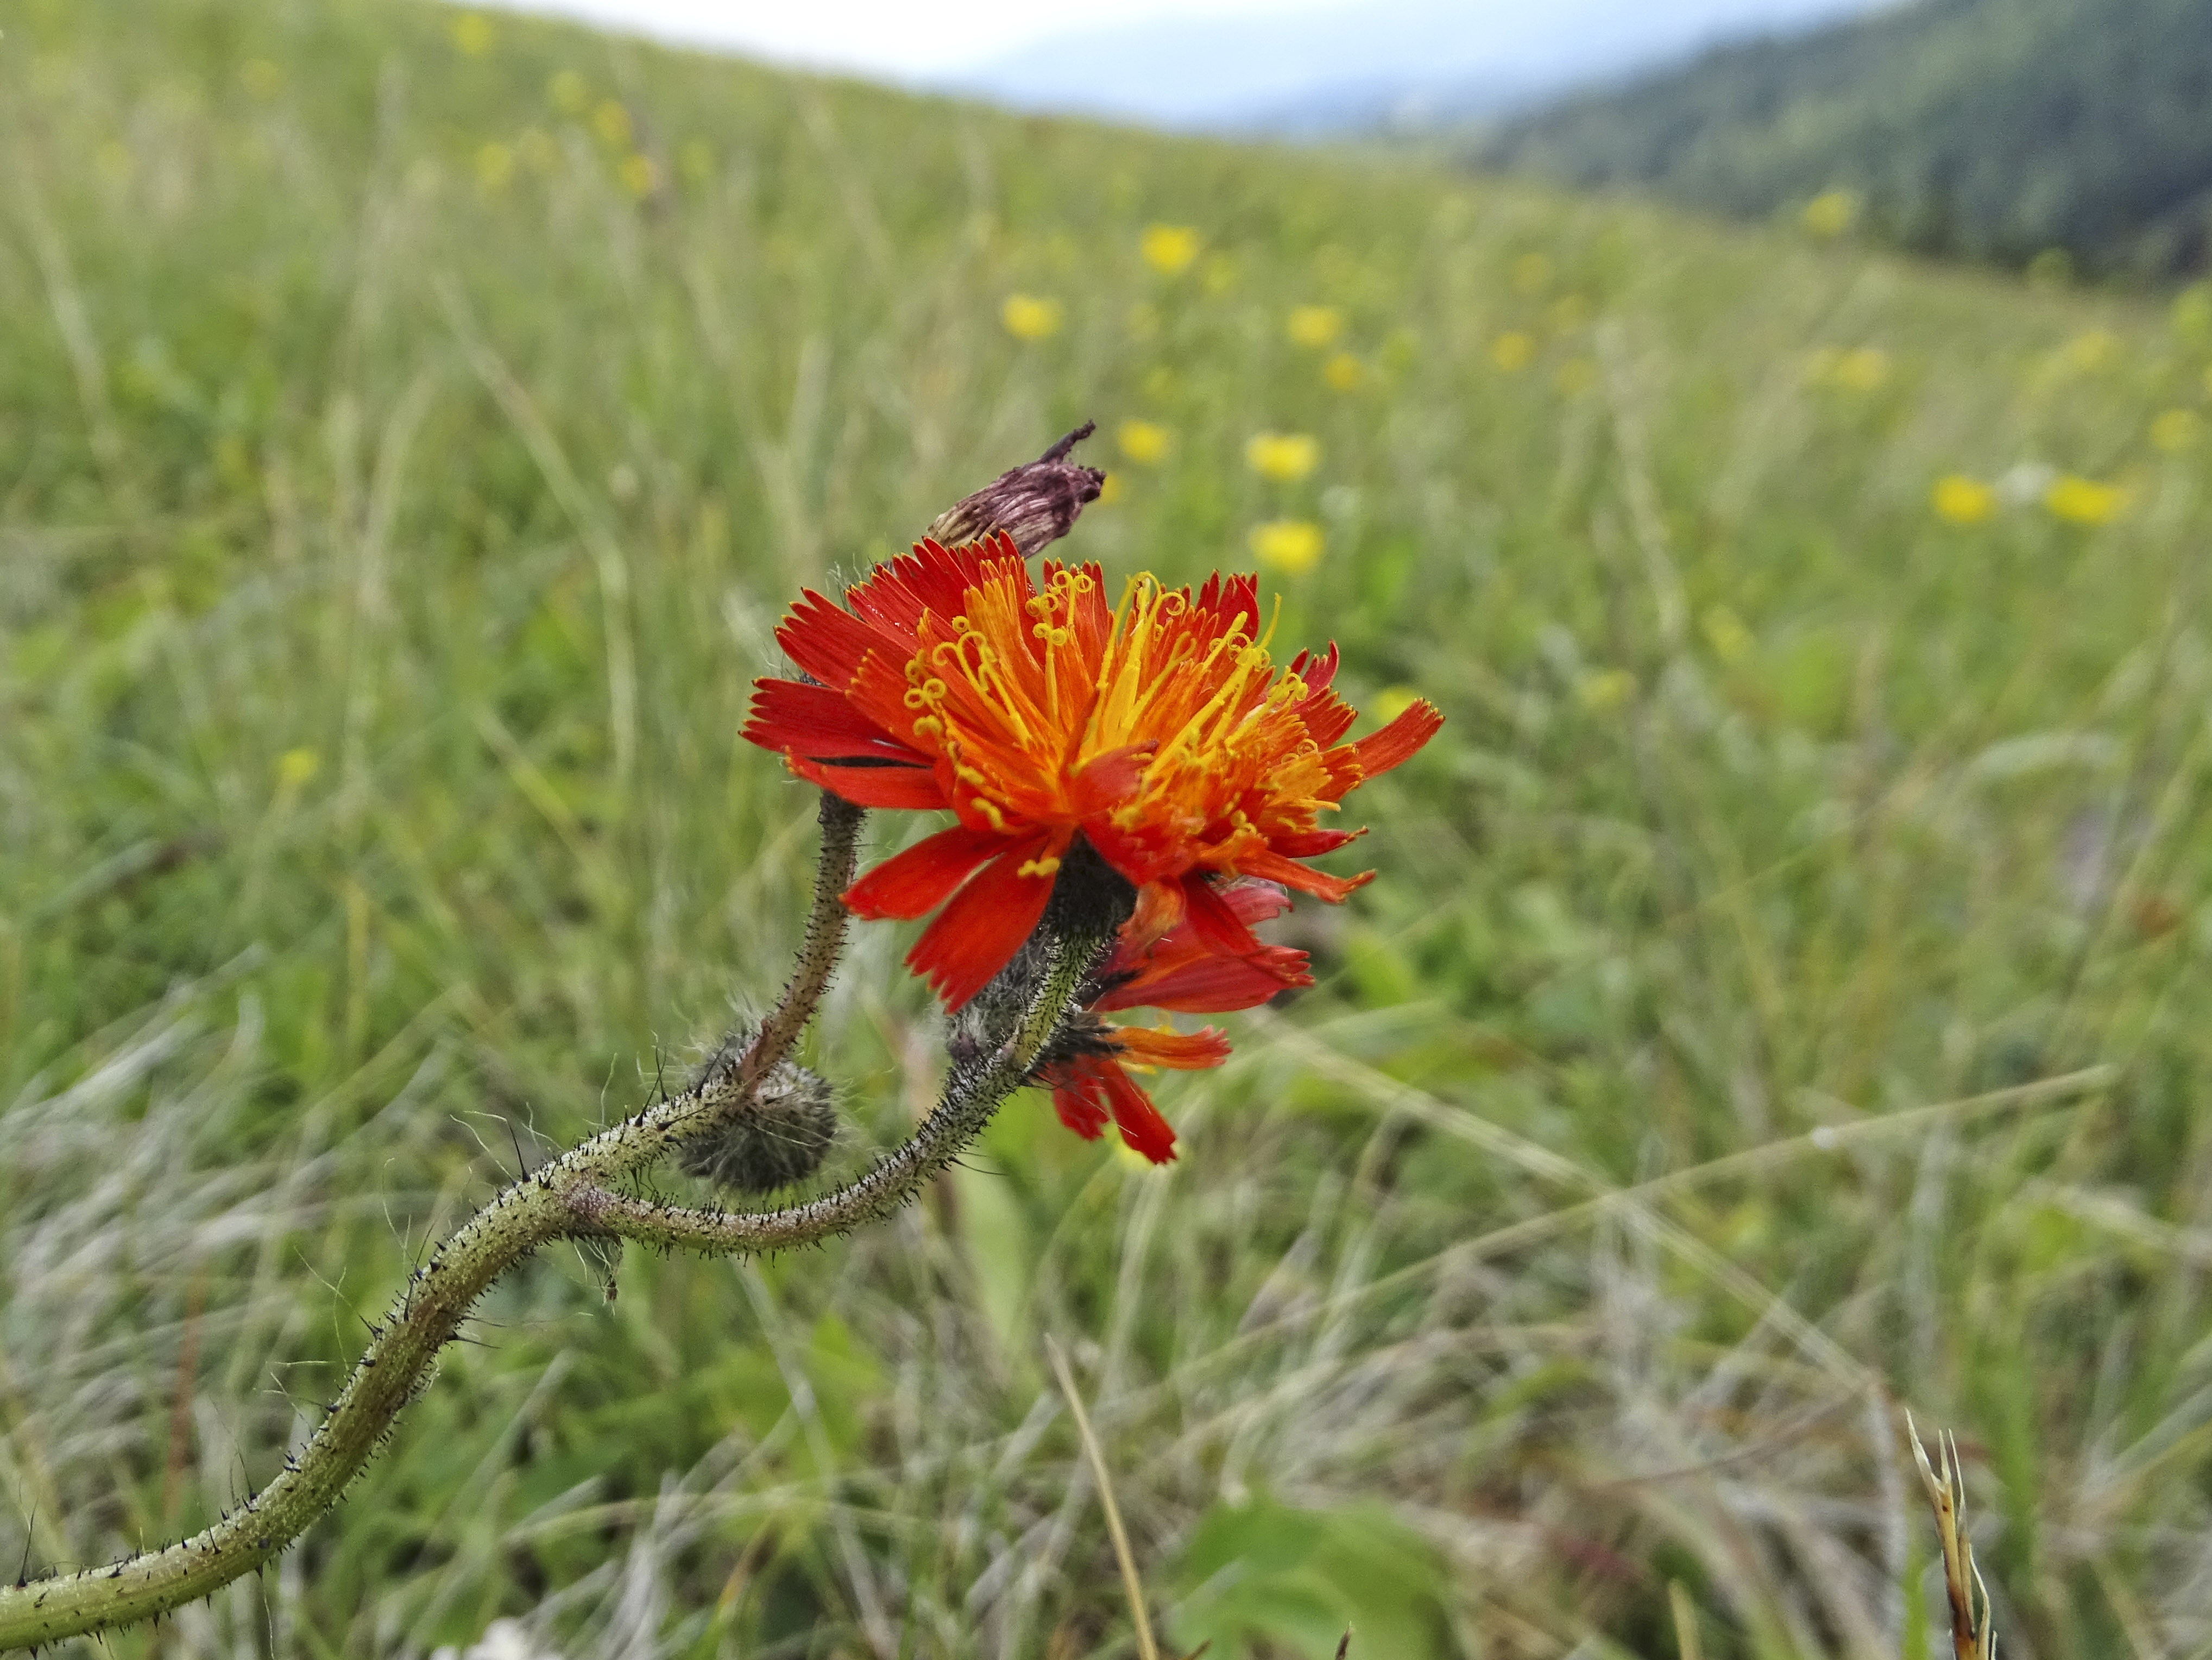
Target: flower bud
1036, 504
1090, 903
777, 1141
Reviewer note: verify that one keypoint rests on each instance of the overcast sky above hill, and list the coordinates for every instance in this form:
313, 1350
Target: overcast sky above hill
894, 39
1201, 63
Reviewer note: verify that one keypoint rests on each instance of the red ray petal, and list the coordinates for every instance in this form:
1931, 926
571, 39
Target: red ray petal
1078, 1102
1394, 744
873, 787
1326, 717
1213, 985
917, 881
1160, 908
975, 936
1311, 844
1292, 874
1106, 781
1135, 1116
1215, 920
820, 724
827, 640
1178, 1051
1318, 669
1135, 856
933, 577
1230, 596
1254, 901
877, 688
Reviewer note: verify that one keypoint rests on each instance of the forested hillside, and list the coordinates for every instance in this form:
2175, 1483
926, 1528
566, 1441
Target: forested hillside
1994, 129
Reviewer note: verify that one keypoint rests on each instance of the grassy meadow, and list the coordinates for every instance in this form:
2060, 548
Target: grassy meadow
1783, 1001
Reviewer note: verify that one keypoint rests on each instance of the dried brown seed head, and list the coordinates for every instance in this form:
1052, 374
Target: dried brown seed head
1035, 503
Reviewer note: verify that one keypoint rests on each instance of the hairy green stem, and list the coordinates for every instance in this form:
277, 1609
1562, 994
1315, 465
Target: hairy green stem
817, 952
971, 1095
567, 1198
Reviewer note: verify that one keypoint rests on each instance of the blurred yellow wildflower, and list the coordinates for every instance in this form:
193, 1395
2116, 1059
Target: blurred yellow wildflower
1030, 317
1958, 500
472, 33
1512, 351
1604, 690
2081, 500
1531, 271
638, 174
1831, 212
260, 77
495, 166
1726, 634
612, 122
567, 93
1392, 702
1575, 376
2086, 354
1315, 327
2176, 430
1284, 457
1169, 250
1289, 545
295, 767
1343, 372
1864, 369
1144, 442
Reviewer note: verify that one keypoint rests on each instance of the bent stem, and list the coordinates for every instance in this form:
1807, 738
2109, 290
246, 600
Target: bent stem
571, 1197
971, 1094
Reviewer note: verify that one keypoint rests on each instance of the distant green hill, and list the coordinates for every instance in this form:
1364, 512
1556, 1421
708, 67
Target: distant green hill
1996, 129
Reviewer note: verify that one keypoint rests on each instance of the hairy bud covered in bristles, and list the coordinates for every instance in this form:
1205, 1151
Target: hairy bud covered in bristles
1089, 904
1036, 504
1082, 1062
776, 1142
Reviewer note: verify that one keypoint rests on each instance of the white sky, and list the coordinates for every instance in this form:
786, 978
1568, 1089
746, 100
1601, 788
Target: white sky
893, 38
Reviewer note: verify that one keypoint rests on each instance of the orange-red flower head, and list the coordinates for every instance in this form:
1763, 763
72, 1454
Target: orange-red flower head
1155, 729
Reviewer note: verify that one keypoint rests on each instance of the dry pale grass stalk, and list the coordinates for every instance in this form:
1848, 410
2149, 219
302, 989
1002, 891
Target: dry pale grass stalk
1146, 1647
1973, 1632
1687, 1644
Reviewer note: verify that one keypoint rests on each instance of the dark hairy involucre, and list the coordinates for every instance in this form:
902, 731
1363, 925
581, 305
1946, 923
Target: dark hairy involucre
776, 1142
